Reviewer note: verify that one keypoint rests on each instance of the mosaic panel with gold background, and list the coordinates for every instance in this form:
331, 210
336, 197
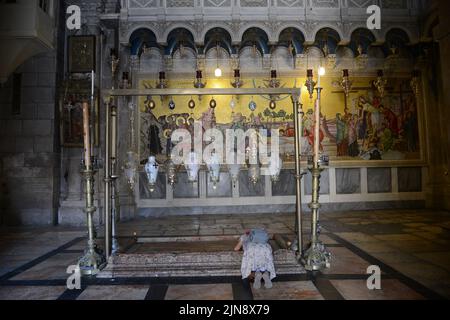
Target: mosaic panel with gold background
363, 126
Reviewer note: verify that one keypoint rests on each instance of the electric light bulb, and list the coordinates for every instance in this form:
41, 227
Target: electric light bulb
218, 73
322, 71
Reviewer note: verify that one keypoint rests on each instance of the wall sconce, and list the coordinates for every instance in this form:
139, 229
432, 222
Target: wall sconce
237, 83
152, 169
171, 171
199, 84
234, 170
415, 82
380, 83
162, 84
310, 84
275, 169
346, 84
130, 168
214, 169
192, 167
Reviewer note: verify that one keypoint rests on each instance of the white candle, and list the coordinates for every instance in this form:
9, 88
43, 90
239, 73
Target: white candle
93, 80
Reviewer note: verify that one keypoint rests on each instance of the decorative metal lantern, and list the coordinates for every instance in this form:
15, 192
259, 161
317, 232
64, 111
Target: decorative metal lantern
234, 170
214, 169
130, 168
162, 84
171, 171
152, 169
380, 83
254, 173
346, 83
237, 83
199, 84
310, 84
192, 167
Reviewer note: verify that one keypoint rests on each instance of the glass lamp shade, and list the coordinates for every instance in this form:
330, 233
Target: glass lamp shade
152, 169
192, 166
275, 169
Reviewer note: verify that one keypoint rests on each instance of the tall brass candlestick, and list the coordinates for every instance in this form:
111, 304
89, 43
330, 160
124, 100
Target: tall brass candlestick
316, 257
87, 136
92, 261
114, 176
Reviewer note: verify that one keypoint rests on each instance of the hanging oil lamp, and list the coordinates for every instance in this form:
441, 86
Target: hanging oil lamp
237, 83
272, 104
162, 84
380, 83
191, 104
213, 103
346, 83
252, 105
415, 82
172, 104
199, 84
310, 84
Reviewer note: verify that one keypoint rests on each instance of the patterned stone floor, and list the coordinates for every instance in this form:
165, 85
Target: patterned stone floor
410, 246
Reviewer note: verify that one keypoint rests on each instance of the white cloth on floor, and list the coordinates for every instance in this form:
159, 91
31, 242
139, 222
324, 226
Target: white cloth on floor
257, 257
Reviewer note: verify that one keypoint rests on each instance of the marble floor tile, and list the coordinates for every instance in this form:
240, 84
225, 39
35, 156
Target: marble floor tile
343, 261
390, 290
417, 246
31, 293
135, 292
397, 237
52, 268
356, 236
200, 292
375, 247
441, 259
297, 290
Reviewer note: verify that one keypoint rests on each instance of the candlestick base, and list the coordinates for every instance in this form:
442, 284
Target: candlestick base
316, 258
92, 262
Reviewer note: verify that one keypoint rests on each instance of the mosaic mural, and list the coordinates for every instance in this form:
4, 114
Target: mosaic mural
362, 126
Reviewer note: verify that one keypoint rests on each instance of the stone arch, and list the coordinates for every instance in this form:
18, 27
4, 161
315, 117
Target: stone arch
261, 26
316, 30
175, 26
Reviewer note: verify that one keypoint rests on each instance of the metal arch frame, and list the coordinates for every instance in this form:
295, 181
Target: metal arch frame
109, 95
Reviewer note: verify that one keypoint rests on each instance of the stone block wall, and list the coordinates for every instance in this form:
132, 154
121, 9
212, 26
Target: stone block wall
29, 145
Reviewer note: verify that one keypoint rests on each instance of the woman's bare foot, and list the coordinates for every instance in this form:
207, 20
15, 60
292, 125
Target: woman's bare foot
258, 278
267, 282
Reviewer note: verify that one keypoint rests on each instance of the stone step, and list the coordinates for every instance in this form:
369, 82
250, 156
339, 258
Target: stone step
191, 264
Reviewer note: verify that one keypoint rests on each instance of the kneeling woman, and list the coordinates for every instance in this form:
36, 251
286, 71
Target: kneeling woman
258, 257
